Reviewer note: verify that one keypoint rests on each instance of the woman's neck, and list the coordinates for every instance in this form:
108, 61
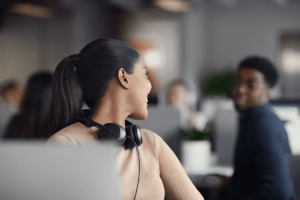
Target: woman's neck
111, 109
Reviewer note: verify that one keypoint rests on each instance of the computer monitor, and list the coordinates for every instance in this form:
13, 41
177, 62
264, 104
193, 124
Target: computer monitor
165, 122
36, 171
289, 114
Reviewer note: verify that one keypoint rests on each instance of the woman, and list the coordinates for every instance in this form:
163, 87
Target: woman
33, 118
178, 96
112, 80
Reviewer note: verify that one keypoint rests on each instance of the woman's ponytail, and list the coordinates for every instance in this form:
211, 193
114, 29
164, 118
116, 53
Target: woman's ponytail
66, 102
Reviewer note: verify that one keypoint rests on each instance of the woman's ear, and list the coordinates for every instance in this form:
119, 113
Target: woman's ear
123, 78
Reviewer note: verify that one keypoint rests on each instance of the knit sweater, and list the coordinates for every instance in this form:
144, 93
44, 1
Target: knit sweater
161, 175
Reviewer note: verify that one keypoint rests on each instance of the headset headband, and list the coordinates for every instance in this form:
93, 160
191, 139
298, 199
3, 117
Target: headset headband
89, 122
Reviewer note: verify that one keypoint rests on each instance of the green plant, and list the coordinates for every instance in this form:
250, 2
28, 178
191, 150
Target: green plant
214, 83
194, 134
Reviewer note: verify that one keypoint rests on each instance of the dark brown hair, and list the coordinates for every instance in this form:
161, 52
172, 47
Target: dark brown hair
33, 118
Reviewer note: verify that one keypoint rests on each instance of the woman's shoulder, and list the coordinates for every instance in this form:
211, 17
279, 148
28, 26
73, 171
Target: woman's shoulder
75, 133
150, 135
152, 138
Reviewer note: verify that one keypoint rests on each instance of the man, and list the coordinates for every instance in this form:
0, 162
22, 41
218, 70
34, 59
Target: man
261, 167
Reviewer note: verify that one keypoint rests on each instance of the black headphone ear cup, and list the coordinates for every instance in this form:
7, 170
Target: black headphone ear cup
113, 131
137, 134
129, 133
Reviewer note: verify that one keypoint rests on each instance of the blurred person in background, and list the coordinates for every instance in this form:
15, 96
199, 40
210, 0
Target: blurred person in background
261, 166
32, 120
178, 96
111, 78
10, 95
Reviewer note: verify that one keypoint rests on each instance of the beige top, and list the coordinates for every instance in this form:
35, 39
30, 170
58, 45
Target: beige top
162, 175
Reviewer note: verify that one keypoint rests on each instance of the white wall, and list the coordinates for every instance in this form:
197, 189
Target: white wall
92, 19
18, 49
29, 44
59, 33
195, 43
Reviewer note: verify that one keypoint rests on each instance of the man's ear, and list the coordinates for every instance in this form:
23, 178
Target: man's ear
123, 78
267, 93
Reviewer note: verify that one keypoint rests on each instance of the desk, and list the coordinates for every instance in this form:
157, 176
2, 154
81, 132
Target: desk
213, 181
213, 186
213, 169
212, 166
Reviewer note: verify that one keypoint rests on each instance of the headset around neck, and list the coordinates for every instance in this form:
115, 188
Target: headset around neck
130, 136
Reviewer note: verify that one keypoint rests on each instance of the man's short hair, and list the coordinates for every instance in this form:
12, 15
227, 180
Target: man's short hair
264, 66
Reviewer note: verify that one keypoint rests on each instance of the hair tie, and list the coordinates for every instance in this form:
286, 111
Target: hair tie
75, 58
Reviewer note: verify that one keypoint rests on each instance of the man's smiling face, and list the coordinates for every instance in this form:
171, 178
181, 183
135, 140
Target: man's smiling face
250, 90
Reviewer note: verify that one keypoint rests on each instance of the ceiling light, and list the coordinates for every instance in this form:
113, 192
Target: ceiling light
32, 10
152, 58
173, 5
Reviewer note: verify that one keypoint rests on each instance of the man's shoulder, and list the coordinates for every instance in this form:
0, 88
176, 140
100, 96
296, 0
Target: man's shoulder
267, 126
266, 117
